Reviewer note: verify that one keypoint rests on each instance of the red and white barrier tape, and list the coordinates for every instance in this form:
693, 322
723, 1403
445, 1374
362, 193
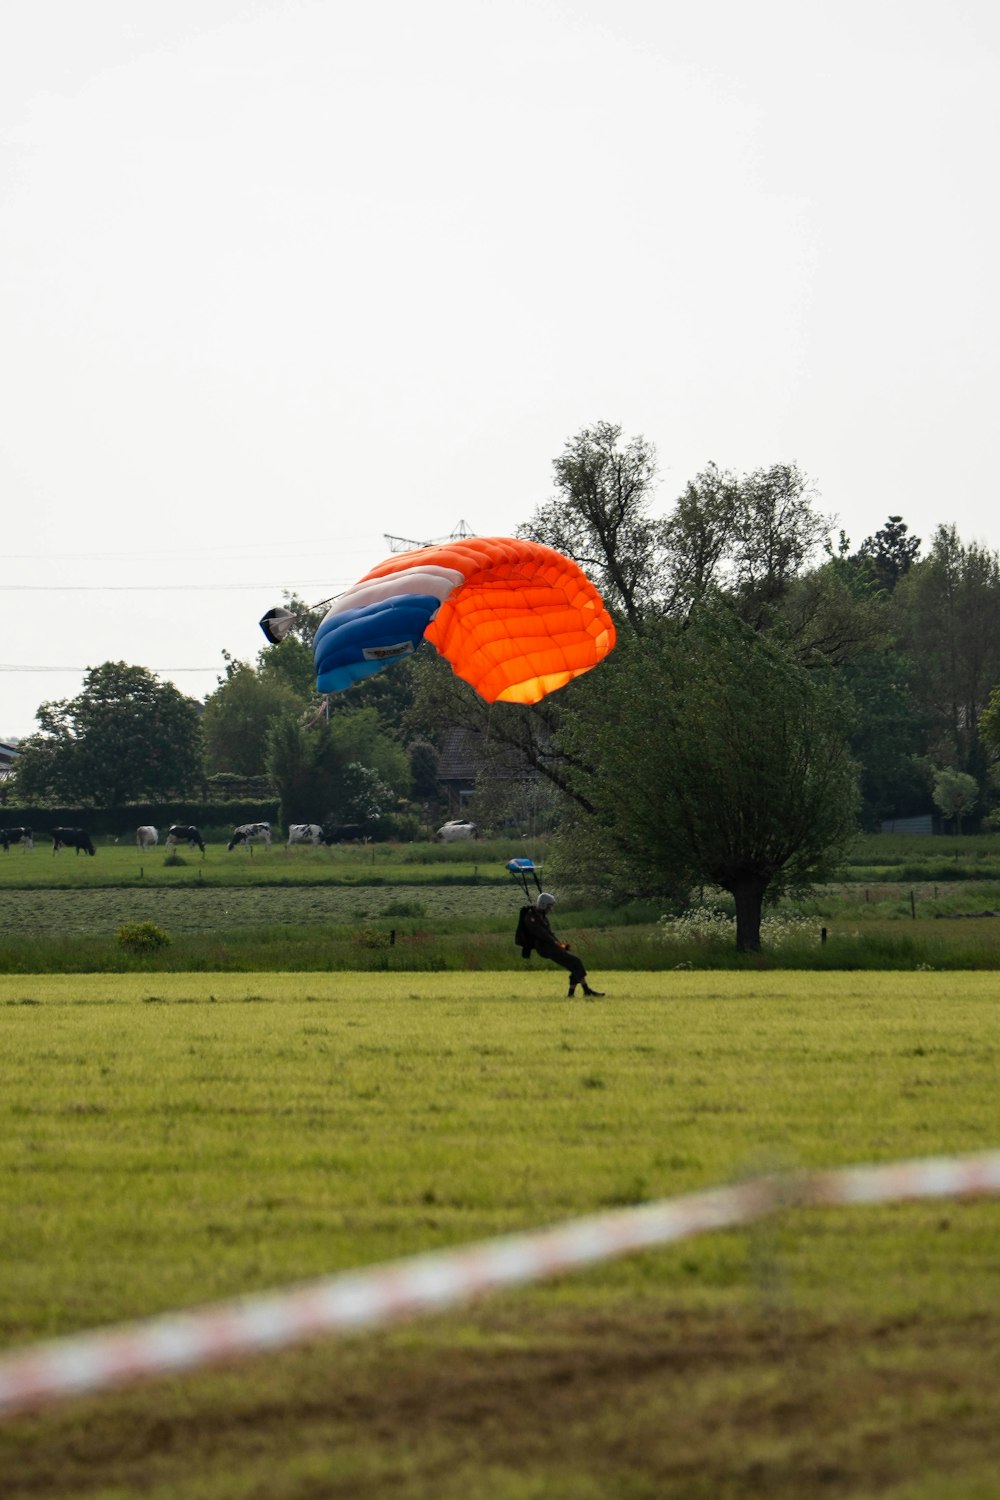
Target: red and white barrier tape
380, 1295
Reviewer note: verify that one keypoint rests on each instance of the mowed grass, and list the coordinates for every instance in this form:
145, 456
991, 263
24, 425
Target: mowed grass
122, 864
172, 1139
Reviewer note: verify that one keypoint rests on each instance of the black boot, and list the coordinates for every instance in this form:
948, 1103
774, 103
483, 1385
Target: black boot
572, 992
593, 994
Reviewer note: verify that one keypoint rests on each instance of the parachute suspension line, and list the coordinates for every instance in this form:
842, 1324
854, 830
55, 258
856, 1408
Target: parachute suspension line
278, 622
488, 736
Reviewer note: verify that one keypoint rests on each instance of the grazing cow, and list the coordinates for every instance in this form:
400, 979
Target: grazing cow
146, 836
307, 833
72, 838
184, 833
251, 833
456, 830
20, 836
344, 833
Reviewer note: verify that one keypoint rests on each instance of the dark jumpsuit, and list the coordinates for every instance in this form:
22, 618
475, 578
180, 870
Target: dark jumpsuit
545, 943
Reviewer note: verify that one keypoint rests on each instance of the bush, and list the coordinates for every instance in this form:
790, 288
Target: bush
707, 924
371, 937
142, 937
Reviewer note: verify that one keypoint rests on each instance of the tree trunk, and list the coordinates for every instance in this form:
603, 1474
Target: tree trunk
749, 898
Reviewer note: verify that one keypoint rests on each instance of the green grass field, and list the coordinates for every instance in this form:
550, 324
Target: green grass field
174, 1138
424, 907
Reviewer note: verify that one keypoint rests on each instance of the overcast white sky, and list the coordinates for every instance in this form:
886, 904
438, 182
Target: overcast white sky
278, 277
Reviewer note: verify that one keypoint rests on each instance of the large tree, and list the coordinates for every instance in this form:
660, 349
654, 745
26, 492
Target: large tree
989, 735
889, 554
749, 535
714, 756
887, 738
599, 517
947, 608
749, 538
335, 769
240, 712
956, 793
126, 737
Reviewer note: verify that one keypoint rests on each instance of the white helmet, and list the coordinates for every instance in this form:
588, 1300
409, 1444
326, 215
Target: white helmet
545, 901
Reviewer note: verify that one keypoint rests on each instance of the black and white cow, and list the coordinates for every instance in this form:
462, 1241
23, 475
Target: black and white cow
456, 830
146, 836
307, 833
251, 833
345, 833
184, 833
72, 838
20, 836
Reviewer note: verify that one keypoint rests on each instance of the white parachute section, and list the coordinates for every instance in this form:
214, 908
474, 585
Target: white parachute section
277, 623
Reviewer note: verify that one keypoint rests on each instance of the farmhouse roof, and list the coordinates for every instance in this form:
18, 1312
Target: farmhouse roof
467, 753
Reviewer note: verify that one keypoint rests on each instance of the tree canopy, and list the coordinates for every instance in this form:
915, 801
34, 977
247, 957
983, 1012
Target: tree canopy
126, 737
341, 769
710, 755
242, 709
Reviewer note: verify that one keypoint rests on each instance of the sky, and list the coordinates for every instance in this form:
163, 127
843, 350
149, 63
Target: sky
280, 279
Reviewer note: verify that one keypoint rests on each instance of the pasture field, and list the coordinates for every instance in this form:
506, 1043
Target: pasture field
122, 864
170, 1139
389, 928
425, 907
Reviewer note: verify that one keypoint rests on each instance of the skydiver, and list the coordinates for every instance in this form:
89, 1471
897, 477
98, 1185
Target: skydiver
535, 935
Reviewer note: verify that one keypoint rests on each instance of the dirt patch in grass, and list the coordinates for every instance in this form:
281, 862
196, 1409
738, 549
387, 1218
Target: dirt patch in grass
642, 1400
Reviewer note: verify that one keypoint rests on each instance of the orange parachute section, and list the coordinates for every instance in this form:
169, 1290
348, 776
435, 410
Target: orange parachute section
516, 619
522, 625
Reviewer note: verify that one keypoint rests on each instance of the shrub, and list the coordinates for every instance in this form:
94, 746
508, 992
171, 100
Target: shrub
142, 937
706, 924
370, 937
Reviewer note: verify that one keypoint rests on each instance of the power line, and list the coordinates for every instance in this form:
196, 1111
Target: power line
18, 667
314, 545
153, 588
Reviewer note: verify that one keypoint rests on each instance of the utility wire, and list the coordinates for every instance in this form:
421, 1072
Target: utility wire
152, 588
19, 667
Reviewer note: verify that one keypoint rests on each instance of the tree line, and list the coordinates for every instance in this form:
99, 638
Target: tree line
772, 689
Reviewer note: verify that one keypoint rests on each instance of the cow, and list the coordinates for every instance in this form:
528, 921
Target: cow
345, 833
184, 833
20, 836
455, 830
146, 836
307, 833
72, 838
251, 833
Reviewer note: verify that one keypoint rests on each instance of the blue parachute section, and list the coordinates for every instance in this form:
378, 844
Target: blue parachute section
357, 643
521, 869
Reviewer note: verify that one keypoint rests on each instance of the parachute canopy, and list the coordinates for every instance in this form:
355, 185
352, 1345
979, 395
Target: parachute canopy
515, 619
277, 623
